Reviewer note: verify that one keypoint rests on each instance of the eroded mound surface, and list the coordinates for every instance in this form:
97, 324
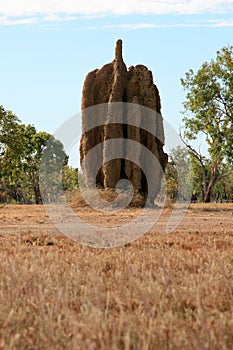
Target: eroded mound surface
111, 84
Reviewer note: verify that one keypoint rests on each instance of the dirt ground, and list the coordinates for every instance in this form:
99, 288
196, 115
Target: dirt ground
198, 218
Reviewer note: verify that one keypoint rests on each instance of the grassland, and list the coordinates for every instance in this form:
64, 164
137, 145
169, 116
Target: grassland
164, 291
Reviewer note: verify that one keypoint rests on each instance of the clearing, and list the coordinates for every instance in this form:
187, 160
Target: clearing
163, 291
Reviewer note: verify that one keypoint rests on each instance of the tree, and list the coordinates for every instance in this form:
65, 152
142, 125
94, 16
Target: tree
8, 128
209, 110
10, 145
178, 175
223, 190
34, 145
21, 150
70, 178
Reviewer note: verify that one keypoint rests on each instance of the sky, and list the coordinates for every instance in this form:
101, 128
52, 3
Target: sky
48, 47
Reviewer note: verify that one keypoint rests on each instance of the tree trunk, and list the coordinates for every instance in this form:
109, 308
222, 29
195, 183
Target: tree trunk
36, 187
207, 193
37, 195
204, 181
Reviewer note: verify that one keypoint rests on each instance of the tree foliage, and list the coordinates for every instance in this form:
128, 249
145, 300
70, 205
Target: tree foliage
21, 150
178, 175
209, 111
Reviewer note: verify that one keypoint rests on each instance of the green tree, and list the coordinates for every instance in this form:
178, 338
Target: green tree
35, 144
21, 150
223, 189
178, 175
69, 178
8, 128
209, 111
52, 162
10, 146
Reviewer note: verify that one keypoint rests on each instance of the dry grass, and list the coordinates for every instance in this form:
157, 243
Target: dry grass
161, 292
76, 199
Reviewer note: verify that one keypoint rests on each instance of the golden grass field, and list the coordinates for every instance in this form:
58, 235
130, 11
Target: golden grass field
164, 291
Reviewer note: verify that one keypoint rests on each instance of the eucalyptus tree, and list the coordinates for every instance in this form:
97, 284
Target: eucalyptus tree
208, 110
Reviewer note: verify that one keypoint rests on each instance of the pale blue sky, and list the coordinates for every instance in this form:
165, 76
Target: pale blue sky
47, 48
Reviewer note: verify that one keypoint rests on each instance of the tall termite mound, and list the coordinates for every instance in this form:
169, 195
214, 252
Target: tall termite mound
120, 93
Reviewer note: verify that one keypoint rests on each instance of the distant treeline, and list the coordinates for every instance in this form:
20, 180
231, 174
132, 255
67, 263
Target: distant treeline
21, 149
187, 180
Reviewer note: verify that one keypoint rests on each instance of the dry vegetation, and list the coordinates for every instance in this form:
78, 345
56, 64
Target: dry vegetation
171, 291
